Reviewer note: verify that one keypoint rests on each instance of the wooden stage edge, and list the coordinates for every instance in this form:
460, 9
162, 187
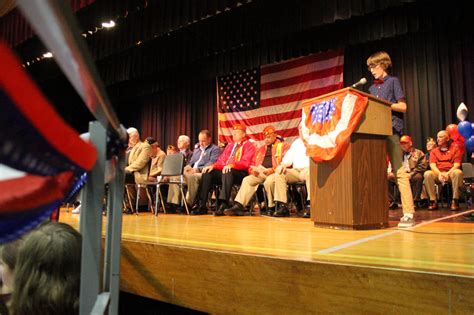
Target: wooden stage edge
287, 266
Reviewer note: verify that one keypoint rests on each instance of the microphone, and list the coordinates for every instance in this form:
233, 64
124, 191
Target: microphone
360, 82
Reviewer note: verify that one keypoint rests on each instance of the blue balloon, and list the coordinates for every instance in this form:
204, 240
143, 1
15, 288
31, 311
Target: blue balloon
472, 128
465, 129
469, 144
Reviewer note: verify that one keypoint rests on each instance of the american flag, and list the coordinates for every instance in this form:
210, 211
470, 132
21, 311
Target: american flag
272, 94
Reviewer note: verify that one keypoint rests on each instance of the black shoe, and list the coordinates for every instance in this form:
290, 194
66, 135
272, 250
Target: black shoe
469, 216
270, 211
236, 210
393, 205
307, 212
433, 205
196, 206
218, 213
199, 210
422, 203
282, 210
223, 205
171, 208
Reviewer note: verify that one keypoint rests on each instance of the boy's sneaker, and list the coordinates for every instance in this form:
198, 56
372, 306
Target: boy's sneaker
406, 222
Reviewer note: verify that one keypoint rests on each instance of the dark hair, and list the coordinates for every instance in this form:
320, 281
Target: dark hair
151, 140
172, 147
47, 274
206, 132
9, 253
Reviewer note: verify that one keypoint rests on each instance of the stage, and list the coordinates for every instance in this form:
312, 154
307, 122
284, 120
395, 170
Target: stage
262, 264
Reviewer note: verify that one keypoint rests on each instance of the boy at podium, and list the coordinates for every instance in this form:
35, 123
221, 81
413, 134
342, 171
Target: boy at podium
389, 88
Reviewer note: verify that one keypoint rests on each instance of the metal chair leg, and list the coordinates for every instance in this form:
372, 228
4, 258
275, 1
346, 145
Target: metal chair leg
138, 199
183, 199
150, 200
129, 197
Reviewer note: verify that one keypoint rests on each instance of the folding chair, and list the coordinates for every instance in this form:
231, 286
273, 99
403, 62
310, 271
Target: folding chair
172, 168
296, 190
468, 174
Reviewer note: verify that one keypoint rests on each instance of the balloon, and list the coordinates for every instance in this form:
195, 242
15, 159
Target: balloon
469, 144
472, 127
452, 130
465, 129
462, 111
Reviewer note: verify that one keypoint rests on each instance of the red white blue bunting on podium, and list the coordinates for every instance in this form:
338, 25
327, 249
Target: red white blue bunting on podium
328, 123
42, 159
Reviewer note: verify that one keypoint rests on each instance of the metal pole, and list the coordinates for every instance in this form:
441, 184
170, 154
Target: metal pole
114, 235
91, 223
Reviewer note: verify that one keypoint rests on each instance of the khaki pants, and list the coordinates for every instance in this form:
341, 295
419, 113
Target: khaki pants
248, 188
455, 178
276, 184
403, 178
192, 181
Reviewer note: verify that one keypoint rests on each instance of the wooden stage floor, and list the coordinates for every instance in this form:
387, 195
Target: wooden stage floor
440, 245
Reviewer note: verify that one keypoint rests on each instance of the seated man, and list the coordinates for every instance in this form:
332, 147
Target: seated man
157, 159
268, 157
276, 184
414, 163
136, 171
183, 144
138, 159
204, 155
445, 163
230, 168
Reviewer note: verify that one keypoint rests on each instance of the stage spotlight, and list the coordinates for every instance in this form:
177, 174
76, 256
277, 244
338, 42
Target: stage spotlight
48, 55
109, 24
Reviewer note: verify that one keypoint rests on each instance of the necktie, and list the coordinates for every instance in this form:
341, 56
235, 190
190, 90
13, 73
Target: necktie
378, 81
200, 158
232, 153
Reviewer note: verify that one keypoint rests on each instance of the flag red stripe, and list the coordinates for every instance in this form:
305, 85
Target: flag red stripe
270, 118
290, 132
299, 96
300, 62
302, 78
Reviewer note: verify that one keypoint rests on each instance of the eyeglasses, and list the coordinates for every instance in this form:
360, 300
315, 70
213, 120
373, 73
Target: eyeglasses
372, 66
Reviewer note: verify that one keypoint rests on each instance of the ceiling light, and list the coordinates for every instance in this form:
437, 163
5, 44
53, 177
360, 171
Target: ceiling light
48, 55
109, 24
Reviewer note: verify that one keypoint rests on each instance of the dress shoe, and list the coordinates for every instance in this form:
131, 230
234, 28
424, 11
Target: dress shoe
307, 212
393, 205
270, 211
433, 205
218, 213
127, 211
199, 210
282, 210
421, 204
469, 216
236, 210
455, 205
171, 208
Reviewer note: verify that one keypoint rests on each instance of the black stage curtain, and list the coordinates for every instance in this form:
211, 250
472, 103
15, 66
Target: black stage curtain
186, 109
436, 71
165, 86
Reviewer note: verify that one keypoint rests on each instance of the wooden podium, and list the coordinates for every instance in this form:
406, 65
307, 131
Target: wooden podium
352, 193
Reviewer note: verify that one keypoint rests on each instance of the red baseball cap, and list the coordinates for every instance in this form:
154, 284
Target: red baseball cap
405, 139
